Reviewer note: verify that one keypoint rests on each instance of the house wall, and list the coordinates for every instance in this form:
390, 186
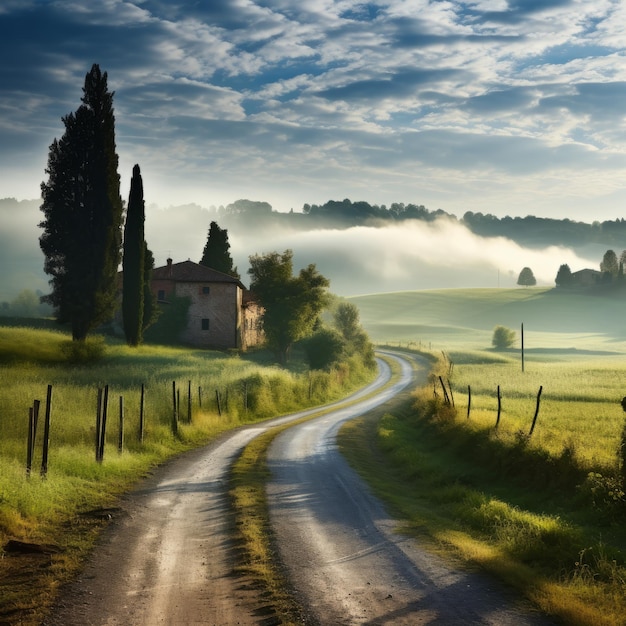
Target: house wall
221, 306
252, 329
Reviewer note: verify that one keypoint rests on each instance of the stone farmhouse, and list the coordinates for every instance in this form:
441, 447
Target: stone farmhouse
222, 312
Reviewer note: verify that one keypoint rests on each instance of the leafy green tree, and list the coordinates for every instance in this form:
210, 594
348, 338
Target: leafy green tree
526, 278
292, 304
563, 276
133, 262
503, 337
83, 212
216, 254
346, 317
609, 265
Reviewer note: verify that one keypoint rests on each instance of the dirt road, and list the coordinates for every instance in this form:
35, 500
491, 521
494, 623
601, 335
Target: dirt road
341, 551
169, 557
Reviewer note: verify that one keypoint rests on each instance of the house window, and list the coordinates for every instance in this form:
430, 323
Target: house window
161, 295
205, 323
205, 290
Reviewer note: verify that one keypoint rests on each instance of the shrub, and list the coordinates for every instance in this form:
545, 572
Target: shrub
324, 348
88, 350
503, 337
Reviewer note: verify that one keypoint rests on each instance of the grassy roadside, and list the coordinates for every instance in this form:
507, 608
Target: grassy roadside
539, 539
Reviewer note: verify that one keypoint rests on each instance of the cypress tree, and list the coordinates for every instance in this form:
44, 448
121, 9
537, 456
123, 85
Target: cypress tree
82, 210
216, 253
133, 262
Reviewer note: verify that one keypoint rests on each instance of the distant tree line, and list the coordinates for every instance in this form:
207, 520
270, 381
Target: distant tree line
531, 231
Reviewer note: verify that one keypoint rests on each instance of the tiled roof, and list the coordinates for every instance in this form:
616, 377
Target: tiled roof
190, 272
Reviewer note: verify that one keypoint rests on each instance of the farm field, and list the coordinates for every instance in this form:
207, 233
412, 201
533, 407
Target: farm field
575, 350
553, 321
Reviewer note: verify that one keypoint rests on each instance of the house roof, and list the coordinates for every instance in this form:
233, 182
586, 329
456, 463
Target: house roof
190, 272
586, 271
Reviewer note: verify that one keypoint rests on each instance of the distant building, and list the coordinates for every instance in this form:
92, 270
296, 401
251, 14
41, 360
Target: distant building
585, 278
222, 312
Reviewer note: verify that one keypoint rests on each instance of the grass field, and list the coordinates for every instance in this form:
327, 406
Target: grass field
575, 349
543, 512
567, 321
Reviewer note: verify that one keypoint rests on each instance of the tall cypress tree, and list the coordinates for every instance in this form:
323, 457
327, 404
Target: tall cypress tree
216, 253
133, 262
83, 212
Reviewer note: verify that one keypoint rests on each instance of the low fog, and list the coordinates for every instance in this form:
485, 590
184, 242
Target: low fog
369, 259
365, 259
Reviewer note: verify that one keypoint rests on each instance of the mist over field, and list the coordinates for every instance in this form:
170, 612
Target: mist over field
410, 255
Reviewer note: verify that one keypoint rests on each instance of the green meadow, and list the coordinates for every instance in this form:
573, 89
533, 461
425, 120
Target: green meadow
543, 511
574, 350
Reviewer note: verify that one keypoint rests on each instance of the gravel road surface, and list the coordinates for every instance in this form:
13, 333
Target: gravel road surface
168, 557
342, 554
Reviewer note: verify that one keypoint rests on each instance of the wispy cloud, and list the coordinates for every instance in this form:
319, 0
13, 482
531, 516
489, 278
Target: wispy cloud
485, 104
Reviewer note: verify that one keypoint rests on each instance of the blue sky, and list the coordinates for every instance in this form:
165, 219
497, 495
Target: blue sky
507, 107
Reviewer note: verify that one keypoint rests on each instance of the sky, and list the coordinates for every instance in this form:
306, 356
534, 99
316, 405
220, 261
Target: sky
509, 107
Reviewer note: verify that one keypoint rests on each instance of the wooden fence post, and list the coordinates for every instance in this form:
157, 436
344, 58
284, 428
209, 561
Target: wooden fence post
174, 409
469, 401
141, 412
200, 397
103, 425
446, 398
33, 417
120, 437
98, 423
219, 404
532, 428
46, 433
189, 403
499, 408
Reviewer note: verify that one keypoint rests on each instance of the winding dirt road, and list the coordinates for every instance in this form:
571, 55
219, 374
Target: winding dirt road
341, 549
169, 558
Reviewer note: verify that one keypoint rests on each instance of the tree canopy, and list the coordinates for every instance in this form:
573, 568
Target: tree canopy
216, 254
526, 278
292, 304
609, 264
503, 337
564, 276
82, 210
